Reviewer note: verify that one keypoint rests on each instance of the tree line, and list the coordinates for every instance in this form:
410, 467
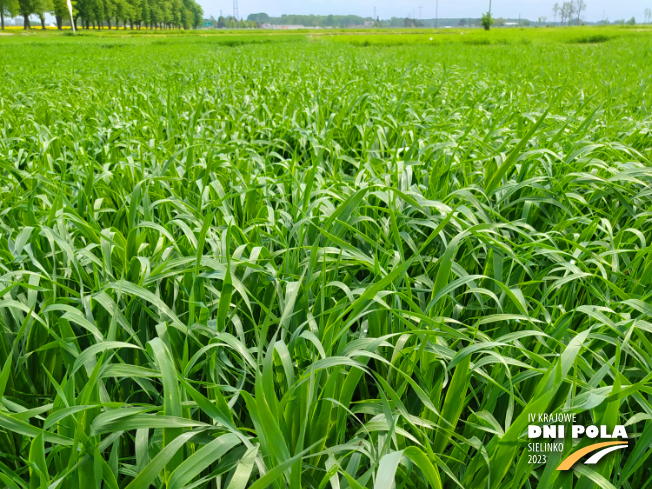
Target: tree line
309, 20
342, 21
570, 12
101, 14
567, 11
230, 22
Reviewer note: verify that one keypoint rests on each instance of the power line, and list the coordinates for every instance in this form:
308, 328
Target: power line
436, 13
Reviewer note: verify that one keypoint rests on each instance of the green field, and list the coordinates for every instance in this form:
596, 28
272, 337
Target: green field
323, 259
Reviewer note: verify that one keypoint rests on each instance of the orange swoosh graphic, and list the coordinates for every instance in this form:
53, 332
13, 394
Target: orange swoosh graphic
574, 457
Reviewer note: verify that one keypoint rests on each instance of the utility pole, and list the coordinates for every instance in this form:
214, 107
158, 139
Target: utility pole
489, 7
235, 9
420, 13
436, 13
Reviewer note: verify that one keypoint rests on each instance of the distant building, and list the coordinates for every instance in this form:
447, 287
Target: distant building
365, 25
288, 27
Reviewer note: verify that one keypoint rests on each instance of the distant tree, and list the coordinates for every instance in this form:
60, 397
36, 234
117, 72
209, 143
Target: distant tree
26, 8
60, 12
631, 21
81, 11
648, 15
486, 21
579, 5
567, 11
9, 8
198, 13
462, 23
123, 12
185, 18
155, 14
221, 22
40, 8
261, 18
542, 20
110, 12
93, 12
562, 13
135, 12
177, 16
556, 9
145, 14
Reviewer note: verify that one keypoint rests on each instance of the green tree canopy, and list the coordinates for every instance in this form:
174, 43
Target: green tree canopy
487, 21
178, 14
8, 8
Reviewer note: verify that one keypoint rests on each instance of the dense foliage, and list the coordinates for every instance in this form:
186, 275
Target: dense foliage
297, 263
8, 8
486, 21
150, 14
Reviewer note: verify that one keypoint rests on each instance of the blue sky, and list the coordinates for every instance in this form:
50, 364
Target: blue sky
531, 9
